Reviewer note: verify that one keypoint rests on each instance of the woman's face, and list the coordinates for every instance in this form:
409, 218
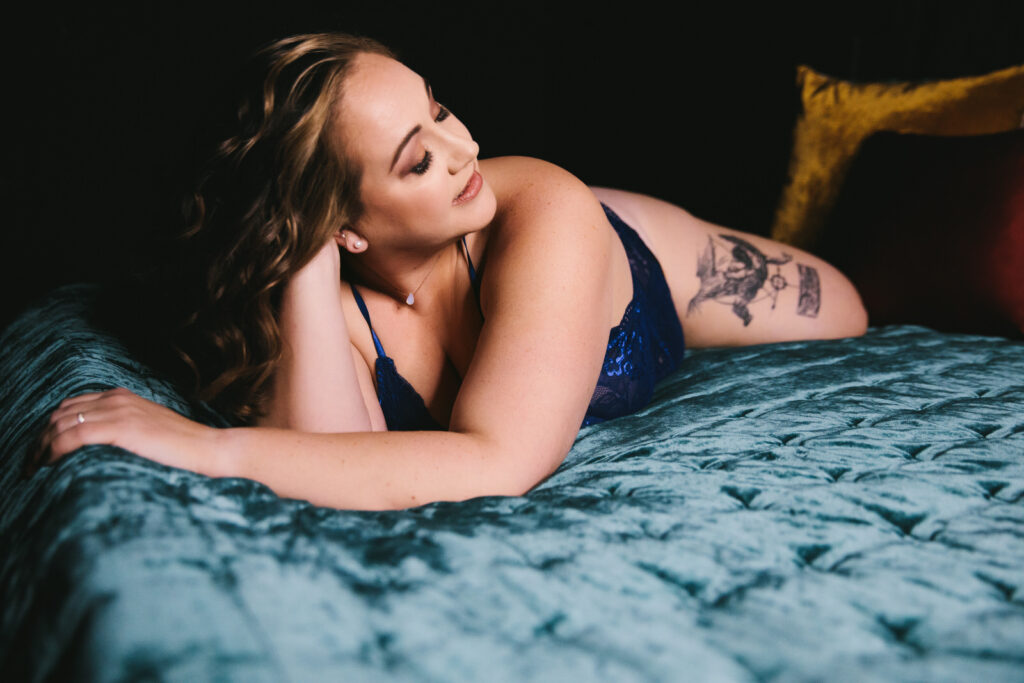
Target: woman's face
421, 184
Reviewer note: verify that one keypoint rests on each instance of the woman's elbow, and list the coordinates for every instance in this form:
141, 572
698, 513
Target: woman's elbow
512, 459
525, 467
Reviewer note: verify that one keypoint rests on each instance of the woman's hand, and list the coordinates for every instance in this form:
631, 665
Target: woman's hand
324, 269
121, 418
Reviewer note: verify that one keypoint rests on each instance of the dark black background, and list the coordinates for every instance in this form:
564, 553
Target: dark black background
698, 108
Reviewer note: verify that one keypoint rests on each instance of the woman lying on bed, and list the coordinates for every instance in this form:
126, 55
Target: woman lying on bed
357, 272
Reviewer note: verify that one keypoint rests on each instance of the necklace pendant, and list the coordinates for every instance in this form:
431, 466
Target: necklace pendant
410, 300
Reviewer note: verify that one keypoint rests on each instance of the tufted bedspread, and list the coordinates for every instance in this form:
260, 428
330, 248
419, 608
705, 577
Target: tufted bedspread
840, 510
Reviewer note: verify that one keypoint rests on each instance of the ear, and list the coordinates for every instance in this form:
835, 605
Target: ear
350, 241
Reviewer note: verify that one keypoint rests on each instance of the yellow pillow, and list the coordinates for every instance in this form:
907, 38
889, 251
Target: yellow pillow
839, 115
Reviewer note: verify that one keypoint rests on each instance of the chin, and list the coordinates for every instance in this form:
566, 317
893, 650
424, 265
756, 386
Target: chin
488, 205
478, 213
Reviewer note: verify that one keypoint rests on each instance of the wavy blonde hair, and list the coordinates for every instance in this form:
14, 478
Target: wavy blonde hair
271, 194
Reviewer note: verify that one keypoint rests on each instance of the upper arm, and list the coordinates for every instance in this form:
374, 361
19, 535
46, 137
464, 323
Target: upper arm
547, 297
364, 357
369, 394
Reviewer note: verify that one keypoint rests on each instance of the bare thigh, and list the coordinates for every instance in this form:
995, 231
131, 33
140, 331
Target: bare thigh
732, 288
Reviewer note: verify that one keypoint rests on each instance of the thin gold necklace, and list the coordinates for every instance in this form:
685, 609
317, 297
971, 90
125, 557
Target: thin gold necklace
410, 298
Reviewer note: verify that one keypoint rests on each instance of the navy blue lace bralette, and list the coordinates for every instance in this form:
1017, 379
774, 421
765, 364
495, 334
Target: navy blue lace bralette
642, 349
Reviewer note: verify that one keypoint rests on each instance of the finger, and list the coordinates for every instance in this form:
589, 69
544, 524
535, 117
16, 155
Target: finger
57, 439
80, 398
64, 419
93, 413
86, 405
60, 445
80, 435
74, 413
66, 416
39, 456
93, 396
37, 451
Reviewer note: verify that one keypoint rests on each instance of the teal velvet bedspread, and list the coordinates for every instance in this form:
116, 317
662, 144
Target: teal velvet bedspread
836, 510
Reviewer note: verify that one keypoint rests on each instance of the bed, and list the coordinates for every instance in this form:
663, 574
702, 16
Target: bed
848, 509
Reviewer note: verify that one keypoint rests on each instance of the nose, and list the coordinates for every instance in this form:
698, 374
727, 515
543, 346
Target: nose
462, 150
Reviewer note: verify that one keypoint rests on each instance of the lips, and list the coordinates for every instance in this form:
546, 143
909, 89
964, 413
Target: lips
471, 190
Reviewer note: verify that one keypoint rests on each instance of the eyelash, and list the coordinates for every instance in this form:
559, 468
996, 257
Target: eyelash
424, 165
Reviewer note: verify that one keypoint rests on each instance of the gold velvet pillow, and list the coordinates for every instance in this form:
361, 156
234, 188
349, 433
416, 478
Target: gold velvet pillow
838, 115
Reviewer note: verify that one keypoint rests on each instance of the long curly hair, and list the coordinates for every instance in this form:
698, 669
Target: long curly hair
271, 194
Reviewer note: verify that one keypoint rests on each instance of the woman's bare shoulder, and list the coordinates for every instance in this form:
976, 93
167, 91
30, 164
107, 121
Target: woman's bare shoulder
546, 219
513, 167
528, 188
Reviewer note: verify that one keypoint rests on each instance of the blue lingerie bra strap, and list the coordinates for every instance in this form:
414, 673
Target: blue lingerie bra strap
469, 261
366, 316
473, 279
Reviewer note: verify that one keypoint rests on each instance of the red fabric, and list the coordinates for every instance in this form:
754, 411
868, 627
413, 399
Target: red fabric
931, 231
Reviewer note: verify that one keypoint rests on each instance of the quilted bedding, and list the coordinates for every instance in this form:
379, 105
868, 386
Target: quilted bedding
839, 510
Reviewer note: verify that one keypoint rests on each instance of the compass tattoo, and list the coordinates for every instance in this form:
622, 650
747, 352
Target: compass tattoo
735, 273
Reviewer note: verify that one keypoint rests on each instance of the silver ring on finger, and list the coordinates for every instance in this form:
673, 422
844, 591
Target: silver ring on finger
80, 418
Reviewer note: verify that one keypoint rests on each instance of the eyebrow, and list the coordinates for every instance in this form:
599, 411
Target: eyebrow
408, 136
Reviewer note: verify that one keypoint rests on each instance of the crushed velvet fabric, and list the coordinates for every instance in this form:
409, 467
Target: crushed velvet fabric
840, 510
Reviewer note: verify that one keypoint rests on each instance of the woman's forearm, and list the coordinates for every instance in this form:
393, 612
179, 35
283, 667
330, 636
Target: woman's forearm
315, 387
356, 470
371, 471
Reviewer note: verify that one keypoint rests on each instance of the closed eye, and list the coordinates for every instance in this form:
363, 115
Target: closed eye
443, 113
424, 164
